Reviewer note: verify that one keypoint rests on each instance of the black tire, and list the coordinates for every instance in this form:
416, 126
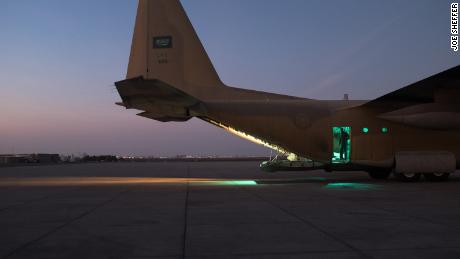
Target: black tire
437, 177
379, 174
408, 177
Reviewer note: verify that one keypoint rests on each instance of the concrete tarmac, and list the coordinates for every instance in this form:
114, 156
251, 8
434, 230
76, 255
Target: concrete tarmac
221, 210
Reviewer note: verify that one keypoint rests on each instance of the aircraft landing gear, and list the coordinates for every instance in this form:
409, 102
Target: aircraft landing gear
437, 177
408, 177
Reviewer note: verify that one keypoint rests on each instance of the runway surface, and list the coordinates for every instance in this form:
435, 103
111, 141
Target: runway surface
221, 210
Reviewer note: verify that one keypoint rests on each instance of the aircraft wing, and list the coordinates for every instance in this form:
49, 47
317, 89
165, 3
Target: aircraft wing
443, 88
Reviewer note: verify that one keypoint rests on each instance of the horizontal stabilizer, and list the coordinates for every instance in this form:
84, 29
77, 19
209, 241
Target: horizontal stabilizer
156, 99
165, 118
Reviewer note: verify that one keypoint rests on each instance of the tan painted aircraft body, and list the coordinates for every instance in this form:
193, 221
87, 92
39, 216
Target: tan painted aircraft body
413, 130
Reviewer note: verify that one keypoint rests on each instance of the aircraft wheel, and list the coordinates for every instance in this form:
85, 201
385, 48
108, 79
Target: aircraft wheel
380, 175
408, 177
437, 177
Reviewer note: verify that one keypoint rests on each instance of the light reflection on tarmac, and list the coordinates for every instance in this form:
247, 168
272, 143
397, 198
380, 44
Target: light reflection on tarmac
118, 181
104, 181
231, 210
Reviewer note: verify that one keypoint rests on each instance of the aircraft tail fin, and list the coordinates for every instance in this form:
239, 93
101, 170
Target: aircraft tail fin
166, 47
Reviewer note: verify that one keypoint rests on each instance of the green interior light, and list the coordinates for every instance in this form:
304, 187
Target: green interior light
339, 134
365, 130
385, 130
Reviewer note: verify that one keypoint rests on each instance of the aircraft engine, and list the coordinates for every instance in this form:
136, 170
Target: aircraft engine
429, 116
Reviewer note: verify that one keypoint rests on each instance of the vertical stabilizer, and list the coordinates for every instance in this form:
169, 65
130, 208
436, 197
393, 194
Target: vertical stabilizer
138, 58
166, 47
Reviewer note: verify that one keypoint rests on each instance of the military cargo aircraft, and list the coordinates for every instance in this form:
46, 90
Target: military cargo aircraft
411, 132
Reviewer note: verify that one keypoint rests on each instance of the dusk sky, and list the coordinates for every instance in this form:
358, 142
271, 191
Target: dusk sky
60, 58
